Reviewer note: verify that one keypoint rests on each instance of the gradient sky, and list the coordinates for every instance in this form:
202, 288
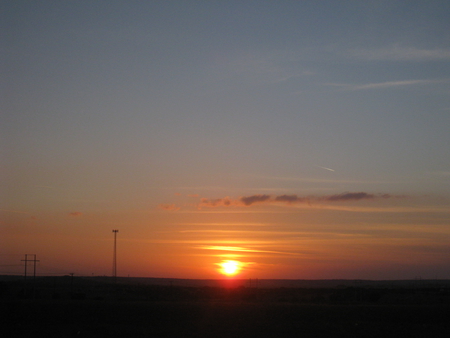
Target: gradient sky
305, 139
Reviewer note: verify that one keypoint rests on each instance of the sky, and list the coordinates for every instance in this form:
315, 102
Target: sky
300, 139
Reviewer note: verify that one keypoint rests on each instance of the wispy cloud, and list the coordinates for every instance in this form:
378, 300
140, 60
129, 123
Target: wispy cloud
218, 202
389, 84
351, 196
227, 248
321, 180
228, 224
168, 207
75, 214
382, 85
399, 53
385, 209
14, 211
243, 249
249, 200
329, 169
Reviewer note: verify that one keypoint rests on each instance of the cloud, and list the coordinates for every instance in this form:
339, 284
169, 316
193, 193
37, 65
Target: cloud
399, 53
242, 249
329, 169
14, 211
293, 199
317, 180
227, 201
389, 84
249, 200
349, 196
168, 207
218, 202
75, 214
227, 248
382, 85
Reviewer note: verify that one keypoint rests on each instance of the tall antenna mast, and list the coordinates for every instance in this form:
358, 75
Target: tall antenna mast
114, 272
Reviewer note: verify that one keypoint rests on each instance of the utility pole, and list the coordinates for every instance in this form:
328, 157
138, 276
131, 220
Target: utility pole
114, 255
26, 263
71, 282
26, 260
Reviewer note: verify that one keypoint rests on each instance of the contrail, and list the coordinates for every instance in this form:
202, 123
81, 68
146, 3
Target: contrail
325, 168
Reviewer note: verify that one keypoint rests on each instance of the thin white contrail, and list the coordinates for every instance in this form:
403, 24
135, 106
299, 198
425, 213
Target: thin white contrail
325, 168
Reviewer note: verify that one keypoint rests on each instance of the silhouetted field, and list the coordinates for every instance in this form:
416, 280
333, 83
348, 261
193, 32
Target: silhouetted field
77, 307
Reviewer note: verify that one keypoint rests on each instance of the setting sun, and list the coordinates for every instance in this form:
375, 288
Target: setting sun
229, 268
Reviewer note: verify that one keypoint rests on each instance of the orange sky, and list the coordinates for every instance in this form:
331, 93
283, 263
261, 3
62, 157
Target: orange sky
354, 236
305, 139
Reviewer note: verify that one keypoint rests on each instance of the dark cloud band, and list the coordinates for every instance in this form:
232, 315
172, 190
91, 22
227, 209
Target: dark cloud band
247, 201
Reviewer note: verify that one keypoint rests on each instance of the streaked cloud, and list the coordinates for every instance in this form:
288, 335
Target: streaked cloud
228, 248
399, 53
247, 201
218, 202
382, 85
14, 211
75, 214
386, 209
329, 169
228, 224
321, 180
290, 199
168, 207
389, 84
350, 196
243, 249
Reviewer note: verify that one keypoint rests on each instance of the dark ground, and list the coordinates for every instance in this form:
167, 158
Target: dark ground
65, 307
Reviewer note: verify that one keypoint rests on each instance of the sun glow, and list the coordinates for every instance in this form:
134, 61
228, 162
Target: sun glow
230, 268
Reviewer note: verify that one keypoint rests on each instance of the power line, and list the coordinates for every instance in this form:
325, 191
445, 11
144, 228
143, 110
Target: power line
26, 260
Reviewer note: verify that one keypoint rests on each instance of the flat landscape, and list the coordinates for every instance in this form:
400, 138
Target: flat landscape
100, 307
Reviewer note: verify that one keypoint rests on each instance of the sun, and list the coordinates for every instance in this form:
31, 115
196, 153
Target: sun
230, 268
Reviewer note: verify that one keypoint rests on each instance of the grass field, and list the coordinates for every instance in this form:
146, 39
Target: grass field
82, 308
70, 318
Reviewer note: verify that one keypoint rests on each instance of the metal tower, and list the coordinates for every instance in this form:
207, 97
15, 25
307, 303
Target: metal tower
114, 272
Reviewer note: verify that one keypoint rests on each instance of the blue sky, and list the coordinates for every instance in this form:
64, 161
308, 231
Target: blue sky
129, 114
